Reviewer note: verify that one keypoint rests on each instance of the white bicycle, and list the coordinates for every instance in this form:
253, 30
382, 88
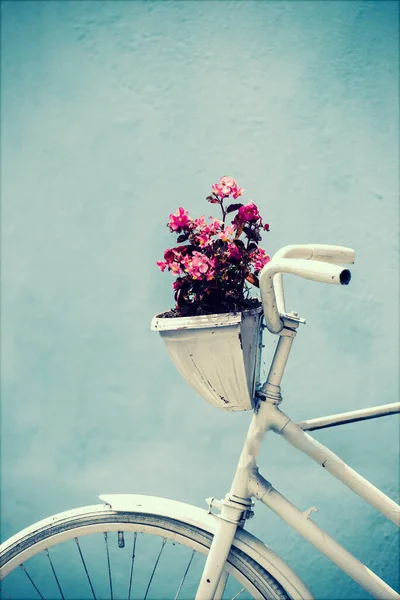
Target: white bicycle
146, 547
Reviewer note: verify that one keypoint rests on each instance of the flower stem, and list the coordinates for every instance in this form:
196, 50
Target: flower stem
221, 203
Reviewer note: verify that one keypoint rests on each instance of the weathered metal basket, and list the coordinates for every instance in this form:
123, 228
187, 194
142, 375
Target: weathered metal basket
218, 355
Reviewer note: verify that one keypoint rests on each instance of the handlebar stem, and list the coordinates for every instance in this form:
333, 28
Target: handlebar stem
271, 390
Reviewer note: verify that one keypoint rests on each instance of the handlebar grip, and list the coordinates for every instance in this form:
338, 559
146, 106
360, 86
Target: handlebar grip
316, 271
337, 255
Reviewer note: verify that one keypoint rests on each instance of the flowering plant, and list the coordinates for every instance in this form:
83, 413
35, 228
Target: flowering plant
217, 260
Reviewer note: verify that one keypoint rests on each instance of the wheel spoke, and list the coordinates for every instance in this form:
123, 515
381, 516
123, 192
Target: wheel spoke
54, 573
155, 567
132, 564
238, 594
109, 566
184, 575
5, 594
84, 566
31, 580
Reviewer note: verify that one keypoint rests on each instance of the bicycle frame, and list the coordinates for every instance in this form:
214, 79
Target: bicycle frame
248, 483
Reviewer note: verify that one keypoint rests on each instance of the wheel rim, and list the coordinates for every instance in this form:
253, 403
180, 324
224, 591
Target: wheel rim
160, 543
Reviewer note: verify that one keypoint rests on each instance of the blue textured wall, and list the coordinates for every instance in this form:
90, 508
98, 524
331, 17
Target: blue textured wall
113, 115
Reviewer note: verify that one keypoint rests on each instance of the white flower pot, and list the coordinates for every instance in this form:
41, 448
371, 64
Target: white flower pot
219, 355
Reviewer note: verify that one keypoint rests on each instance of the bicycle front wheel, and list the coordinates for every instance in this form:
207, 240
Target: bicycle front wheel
96, 552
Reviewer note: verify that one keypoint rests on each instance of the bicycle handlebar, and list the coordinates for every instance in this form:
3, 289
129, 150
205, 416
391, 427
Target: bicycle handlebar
318, 262
337, 255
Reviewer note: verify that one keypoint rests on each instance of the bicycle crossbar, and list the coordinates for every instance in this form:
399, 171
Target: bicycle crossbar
350, 417
334, 465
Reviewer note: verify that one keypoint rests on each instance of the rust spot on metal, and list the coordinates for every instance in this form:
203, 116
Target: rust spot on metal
215, 391
223, 399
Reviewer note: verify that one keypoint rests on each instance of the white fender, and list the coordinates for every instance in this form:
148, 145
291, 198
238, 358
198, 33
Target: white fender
192, 515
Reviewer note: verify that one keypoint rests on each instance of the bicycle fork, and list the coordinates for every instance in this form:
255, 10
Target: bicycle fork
234, 513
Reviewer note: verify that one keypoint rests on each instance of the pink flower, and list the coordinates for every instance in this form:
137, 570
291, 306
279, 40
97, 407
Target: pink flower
200, 262
227, 233
173, 259
175, 254
178, 220
206, 230
169, 255
227, 186
200, 222
203, 239
175, 268
237, 192
234, 252
177, 285
248, 213
259, 259
199, 266
162, 265
217, 189
228, 182
214, 227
